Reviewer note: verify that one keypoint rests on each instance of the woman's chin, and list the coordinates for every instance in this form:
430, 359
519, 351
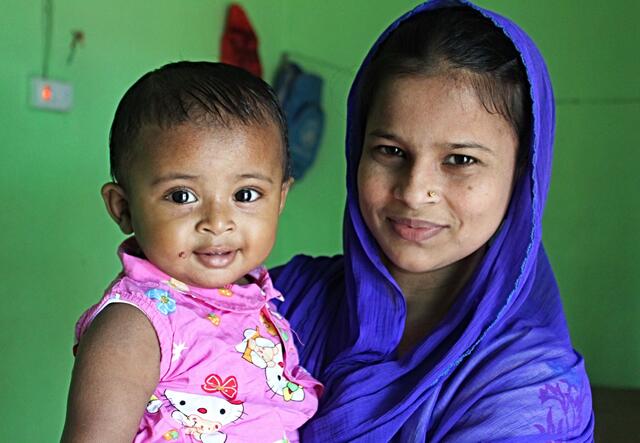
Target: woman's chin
402, 262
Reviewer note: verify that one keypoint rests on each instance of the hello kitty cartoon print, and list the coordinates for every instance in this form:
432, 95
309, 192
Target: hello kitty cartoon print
265, 354
206, 388
204, 416
257, 349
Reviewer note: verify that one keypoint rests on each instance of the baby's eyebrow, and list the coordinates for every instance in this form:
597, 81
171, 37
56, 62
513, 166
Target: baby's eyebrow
256, 176
171, 177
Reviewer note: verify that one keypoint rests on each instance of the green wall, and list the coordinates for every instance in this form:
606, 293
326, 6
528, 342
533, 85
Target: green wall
58, 244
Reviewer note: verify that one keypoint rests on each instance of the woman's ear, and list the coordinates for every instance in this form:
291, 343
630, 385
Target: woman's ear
117, 203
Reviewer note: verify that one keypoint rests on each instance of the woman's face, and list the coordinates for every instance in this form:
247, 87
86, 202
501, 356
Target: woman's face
436, 172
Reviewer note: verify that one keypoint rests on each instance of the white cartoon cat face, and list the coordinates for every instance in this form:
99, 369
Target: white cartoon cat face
211, 408
258, 350
277, 381
267, 351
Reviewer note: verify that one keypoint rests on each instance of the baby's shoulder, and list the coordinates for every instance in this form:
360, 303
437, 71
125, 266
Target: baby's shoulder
124, 285
154, 299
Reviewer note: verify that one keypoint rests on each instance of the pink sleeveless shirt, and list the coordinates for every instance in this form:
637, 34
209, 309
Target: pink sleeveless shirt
229, 368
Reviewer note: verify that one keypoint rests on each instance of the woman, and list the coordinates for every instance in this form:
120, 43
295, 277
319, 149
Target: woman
442, 322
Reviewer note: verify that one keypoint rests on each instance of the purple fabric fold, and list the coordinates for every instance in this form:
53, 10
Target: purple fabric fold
500, 366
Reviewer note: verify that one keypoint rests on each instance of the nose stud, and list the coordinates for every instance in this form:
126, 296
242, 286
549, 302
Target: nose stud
431, 194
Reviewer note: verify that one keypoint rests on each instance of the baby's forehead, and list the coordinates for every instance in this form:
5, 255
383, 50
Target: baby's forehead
181, 137
151, 132
155, 145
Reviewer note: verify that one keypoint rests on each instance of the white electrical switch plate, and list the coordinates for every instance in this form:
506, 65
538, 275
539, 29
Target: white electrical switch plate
51, 94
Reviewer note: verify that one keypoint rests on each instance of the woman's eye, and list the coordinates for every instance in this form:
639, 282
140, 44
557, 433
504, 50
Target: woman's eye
460, 160
182, 197
247, 195
392, 151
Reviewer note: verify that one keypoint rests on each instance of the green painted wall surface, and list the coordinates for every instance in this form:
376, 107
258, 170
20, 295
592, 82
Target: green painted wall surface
58, 244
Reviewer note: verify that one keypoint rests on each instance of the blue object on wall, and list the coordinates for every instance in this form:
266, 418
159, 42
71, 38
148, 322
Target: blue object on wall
300, 95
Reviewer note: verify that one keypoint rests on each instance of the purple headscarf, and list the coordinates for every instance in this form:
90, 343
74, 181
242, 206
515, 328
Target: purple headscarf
499, 367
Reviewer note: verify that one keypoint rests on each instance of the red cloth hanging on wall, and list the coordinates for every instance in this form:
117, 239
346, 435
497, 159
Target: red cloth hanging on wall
239, 45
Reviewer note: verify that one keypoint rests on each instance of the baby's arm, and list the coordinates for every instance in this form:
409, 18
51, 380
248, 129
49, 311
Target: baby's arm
116, 370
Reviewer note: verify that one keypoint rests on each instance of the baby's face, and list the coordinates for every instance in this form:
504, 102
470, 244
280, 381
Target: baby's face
204, 203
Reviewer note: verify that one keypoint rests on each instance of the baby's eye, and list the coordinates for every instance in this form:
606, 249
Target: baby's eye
460, 160
247, 195
182, 196
392, 151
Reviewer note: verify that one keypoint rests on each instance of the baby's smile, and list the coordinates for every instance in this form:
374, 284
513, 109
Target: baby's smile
217, 257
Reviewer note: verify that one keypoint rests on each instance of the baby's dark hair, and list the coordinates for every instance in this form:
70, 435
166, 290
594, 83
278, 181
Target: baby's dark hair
200, 93
460, 42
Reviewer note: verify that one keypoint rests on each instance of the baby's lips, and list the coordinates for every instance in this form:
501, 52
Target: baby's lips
214, 250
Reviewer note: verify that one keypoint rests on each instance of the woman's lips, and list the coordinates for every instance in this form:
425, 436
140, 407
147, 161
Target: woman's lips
415, 230
216, 258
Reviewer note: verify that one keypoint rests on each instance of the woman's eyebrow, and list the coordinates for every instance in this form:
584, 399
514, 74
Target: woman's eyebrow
472, 145
383, 134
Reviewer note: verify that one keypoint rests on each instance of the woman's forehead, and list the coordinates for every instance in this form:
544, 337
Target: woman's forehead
434, 108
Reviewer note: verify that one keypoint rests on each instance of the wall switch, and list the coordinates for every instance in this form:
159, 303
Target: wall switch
51, 94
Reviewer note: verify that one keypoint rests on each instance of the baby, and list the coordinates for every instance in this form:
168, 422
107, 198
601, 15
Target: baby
185, 344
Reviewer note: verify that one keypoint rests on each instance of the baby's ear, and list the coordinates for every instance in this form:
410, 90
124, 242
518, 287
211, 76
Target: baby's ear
286, 185
117, 203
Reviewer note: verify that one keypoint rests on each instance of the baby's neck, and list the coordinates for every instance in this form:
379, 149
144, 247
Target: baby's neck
243, 281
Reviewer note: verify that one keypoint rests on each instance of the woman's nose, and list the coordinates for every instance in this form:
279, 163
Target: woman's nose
418, 187
216, 219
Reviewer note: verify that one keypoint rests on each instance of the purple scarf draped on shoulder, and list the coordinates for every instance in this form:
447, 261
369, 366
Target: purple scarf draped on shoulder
499, 367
